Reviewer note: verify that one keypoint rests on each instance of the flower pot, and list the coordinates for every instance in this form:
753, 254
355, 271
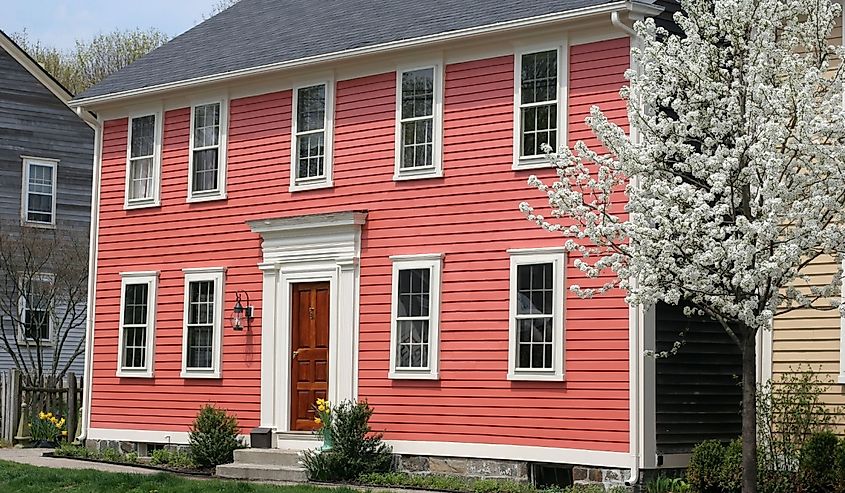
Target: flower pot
328, 441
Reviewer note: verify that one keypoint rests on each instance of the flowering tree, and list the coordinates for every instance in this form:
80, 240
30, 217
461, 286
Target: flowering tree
737, 173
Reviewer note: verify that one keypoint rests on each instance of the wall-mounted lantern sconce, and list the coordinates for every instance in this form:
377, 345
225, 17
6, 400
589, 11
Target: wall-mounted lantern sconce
242, 315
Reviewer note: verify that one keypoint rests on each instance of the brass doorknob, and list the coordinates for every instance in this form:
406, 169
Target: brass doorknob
295, 353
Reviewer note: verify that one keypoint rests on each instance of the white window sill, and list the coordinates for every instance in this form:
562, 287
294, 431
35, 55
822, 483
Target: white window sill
134, 373
417, 174
532, 162
413, 375
35, 224
206, 197
535, 377
200, 374
32, 343
841, 378
308, 185
141, 205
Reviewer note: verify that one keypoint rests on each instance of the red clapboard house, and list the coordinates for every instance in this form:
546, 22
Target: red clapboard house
350, 172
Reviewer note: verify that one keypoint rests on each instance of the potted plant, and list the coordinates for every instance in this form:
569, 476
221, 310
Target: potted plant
323, 418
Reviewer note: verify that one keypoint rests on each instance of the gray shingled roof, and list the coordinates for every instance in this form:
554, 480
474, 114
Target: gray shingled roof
254, 33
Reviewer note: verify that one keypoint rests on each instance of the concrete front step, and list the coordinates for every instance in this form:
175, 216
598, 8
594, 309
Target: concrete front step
254, 472
267, 457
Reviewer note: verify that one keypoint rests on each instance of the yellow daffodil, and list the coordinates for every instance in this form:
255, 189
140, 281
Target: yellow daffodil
54, 420
318, 420
58, 425
64, 433
320, 402
321, 408
62, 422
328, 411
49, 415
41, 415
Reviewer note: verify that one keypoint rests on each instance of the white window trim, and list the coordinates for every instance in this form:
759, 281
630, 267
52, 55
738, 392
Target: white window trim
433, 262
151, 279
436, 170
155, 200
217, 275
222, 150
40, 161
325, 181
28, 341
540, 161
557, 257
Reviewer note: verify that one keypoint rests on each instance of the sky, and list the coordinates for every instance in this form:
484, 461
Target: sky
59, 22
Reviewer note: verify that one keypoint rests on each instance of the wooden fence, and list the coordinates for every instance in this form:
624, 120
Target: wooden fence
19, 401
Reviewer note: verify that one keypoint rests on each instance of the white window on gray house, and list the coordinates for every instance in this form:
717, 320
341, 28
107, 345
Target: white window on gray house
537, 102
203, 322
310, 133
207, 156
137, 324
35, 309
39, 186
142, 168
415, 320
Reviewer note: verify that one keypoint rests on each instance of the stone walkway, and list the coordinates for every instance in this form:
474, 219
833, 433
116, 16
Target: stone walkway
32, 456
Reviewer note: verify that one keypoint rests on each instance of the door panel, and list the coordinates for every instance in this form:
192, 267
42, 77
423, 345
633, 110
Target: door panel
310, 345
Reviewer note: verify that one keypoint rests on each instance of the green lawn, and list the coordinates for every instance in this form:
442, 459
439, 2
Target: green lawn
19, 478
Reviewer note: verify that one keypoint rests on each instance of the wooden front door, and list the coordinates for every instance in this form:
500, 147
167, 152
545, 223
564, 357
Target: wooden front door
310, 346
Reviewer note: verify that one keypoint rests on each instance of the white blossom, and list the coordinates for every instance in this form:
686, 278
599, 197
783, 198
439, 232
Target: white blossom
733, 178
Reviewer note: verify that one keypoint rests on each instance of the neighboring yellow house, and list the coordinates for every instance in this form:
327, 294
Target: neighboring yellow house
814, 338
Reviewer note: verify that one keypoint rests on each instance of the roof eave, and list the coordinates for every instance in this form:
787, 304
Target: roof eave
368, 50
45, 78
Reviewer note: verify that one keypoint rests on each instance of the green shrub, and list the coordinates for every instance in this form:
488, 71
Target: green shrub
730, 474
214, 437
175, 459
356, 451
816, 473
111, 455
663, 484
75, 452
705, 467
160, 457
839, 461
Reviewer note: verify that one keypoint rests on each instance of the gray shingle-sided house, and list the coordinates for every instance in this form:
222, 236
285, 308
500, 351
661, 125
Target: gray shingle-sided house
46, 156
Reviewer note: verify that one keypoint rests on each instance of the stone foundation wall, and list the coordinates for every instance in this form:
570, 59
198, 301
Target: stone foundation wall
124, 447
611, 479
454, 466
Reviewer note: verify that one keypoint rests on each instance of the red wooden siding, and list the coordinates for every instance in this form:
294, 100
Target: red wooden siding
470, 215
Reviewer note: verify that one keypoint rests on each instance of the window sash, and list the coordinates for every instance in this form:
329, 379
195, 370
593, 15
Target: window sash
141, 168
304, 164
202, 330
423, 342
35, 310
137, 351
207, 179
409, 160
553, 124
40, 199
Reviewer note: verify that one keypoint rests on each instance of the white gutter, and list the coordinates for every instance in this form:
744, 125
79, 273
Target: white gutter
634, 349
536, 21
88, 371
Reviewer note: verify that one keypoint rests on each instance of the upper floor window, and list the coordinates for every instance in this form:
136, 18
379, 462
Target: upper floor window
39, 191
203, 331
137, 324
36, 309
418, 123
538, 106
207, 176
312, 154
416, 316
143, 161
536, 315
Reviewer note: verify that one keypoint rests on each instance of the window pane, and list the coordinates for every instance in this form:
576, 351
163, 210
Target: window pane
135, 304
534, 289
200, 324
417, 143
205, 170
207, 125
143, 136
141, 178
413, 294
534, 343
539, 127
418, 93
539, 77
311, 155
200, 346
412, 350
311, 108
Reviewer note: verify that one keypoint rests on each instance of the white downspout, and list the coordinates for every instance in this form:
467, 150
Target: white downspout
88, 371
634, 337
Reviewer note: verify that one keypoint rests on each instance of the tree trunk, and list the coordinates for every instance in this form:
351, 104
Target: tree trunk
749, 411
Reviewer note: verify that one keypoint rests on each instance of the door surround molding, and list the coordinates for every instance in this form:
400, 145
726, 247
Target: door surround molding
311, 248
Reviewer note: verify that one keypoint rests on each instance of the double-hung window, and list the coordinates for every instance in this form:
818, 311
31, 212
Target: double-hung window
207, 175
538, 108
311, 155
536, 314
137, 324
203, 332
415, 317
143, 161
36, 312
39, 191
418, 123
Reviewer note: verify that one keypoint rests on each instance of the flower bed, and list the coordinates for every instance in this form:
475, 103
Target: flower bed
162, 460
